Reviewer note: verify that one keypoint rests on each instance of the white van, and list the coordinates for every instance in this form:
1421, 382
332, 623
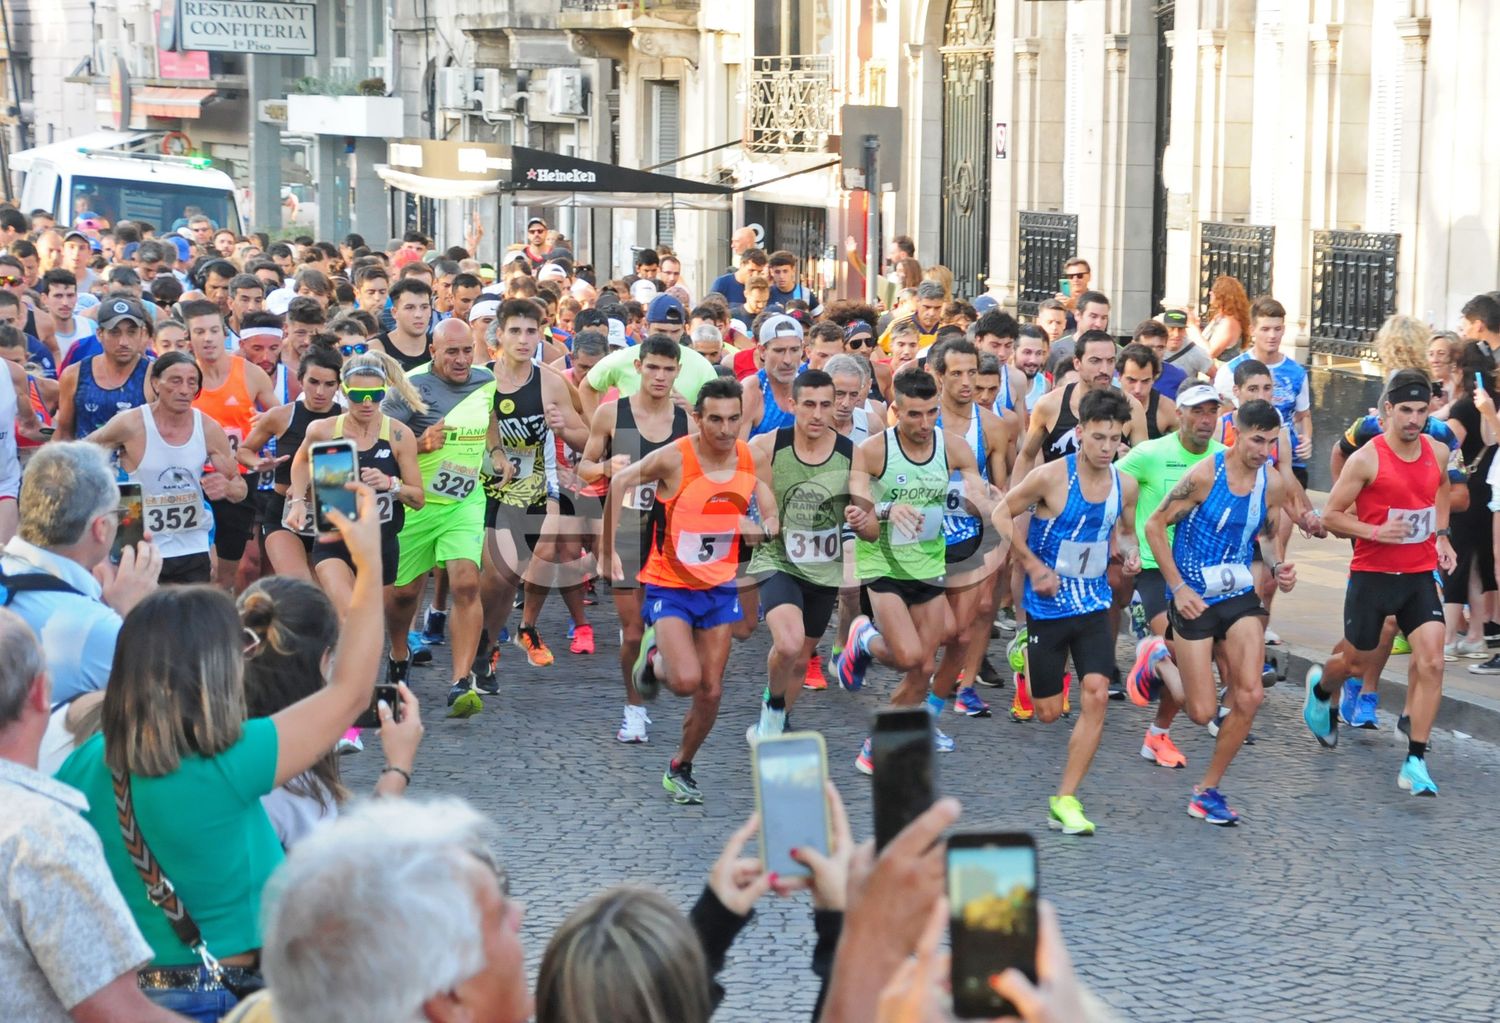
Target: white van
108, 175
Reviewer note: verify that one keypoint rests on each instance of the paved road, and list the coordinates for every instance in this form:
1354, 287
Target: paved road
1338, 898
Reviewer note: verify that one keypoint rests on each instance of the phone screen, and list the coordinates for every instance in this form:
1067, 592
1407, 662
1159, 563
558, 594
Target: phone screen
333, 465
992, 891
371, 716
789, 774
901, 752
132, 521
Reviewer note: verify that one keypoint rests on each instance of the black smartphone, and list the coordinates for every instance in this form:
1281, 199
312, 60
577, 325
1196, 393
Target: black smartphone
789, 772
334, 463
371, 717
992, 892
131, 528
901, 752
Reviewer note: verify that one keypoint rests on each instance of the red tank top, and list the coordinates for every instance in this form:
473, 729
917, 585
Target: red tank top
700, 546
230, 404
1404, 490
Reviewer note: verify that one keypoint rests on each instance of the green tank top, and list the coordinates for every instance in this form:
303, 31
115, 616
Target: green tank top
810, 500
924, 485
450, 474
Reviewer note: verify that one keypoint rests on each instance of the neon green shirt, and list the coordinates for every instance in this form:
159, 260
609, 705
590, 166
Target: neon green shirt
1158, 466
617, 369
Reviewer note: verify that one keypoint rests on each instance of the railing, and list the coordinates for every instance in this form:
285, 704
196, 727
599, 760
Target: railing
1046, 240
1353, 291
791, 103
639, 6
1243, 251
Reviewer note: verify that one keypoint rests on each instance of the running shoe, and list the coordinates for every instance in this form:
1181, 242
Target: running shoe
1162, 750
433, 624
813, 678
678, 781
1116, 686
1272, 639
590, 594
633, 727
1208, 806
1415, 779
418, 651
1477, 650
528, 639
1400, 646
1144, 685
1489, 667
967, 702
1365, 711
1403, 728
350, 743
1316, 713
855, 658
583, 640
1020, 704
396, 671
463, 699
862, 763
643, 673
1065, 814
941, 741
1067, 710
1349, 700
1005, 620
771, 724
485, 679
1450, 652
1219, 716
989, 675
504, 635
1015, 650
519, 600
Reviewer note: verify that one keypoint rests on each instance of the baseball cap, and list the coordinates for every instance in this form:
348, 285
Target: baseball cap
1174, 318
536, 220
644, 291
985, 303
1198, 394
617, 338
551, 272
113, 310
487, 307
184, 248
666, 309
779, 326
75, 233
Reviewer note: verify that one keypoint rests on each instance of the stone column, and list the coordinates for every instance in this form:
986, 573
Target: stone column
267, 80
1414, 272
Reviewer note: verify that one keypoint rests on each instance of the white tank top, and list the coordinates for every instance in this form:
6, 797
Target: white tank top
177, 516
859, 431
10, 465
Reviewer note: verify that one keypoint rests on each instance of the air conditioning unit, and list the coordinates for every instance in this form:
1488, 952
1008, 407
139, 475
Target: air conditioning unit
565, 92
492, 96
454, 88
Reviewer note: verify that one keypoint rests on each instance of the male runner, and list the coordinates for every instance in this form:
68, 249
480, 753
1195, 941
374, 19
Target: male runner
1220, 508
1392, 500
1078, 505
92, 391
899, 486
704, 484
768, 399
411, 310
995, 333
1293, 397
1052, 432
1138, 368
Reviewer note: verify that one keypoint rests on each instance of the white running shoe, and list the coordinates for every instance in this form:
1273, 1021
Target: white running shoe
633, 727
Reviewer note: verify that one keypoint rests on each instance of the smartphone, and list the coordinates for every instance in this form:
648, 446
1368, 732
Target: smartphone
992, 892
789, 773
371, 717
1065, 286
132, 524
334, 463
901, 752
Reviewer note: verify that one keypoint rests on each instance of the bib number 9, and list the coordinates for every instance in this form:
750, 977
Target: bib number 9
1219, 580
641, 498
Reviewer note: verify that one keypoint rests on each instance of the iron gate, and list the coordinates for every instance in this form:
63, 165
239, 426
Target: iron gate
1243, 251
968, 62
1046, 242
801, 230
1353, 291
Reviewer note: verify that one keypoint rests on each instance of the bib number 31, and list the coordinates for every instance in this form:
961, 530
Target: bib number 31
1419, 523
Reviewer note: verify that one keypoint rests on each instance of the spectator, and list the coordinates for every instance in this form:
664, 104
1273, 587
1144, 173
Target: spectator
1228, 318
1052, 317
1184, 343
1093, 314
732, 285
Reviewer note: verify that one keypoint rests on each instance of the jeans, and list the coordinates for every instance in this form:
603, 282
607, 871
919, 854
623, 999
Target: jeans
201, 1006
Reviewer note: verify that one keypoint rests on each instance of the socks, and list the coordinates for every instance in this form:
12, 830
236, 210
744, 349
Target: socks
864, 639
1321, 692
1416, 749
776, 702
935, 703
1153, 730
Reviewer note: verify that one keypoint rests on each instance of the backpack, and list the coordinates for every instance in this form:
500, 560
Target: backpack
31, 582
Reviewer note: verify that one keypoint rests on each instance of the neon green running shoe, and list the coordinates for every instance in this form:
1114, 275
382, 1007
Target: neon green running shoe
642, 673
1400, 646
1016, 650
1066, 815
464, 701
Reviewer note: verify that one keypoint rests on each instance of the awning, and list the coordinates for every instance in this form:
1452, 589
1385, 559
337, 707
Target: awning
166, 101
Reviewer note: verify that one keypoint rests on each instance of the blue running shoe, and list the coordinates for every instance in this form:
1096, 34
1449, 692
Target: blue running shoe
1365, 715
1316, 713
855, 659
941, 741
571, 627
432, 627
1349, 700
968, 702
419, 652
1415, 779
1208, 806
504, 636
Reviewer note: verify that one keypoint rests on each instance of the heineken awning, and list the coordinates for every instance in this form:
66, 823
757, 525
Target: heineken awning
440, 169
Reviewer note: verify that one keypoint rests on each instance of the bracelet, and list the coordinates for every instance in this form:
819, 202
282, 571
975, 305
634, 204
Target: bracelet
1173, 591
401, 771
883, 510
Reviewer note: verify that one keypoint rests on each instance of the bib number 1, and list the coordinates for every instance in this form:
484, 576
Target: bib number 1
1082, 560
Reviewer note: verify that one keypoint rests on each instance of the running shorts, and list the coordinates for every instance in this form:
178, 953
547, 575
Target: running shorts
1372, 597
1152, 586
437, 534
337, 550
234, 521
1217, 620
815, 602
185, 569
702, 609
1050, 642
911, 591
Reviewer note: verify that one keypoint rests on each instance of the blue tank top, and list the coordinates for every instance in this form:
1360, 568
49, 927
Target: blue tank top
1214, 543
958, 525
772, 417
282, 387
1004, 397
94, 405
1076, 545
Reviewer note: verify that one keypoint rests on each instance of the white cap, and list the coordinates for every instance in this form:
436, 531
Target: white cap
487, 307
551, 272
779, 326
1198, 394
617, 337
644, 291
279, 301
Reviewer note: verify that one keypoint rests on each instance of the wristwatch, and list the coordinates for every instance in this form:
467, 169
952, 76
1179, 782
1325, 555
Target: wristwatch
395, 485
1445, 532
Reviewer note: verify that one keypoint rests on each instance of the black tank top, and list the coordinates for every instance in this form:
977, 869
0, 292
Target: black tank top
521, 419
641, 510
381, 457
296, 431
1153, 401
408, 362
1062, 440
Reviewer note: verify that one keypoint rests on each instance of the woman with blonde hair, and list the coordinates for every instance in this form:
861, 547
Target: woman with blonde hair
1229, 318
943, 276
908, 273
1443, 354
1401, 343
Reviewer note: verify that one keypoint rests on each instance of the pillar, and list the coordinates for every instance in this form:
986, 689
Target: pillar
266, 81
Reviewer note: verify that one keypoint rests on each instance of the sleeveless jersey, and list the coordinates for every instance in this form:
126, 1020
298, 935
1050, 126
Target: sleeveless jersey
1061, 440
409, 363
450, 474
698, 547
1287, 380
772, 416
95, 405
283, 391
1153, 401
1213, 545
1076, 545
380, 456
230, 405
924, 485
1400, 490
811, 500
1229, 431
292, 437
176, 513
640, 513
958, 524
859, 426
1004, 398
10, 462
39, 409
528, 445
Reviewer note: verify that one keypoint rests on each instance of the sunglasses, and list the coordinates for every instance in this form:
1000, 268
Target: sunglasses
360, 395
359, 348
857, 343
1074, 276
10, 282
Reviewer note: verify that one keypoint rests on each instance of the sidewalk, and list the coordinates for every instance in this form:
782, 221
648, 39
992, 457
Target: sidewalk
1310, 622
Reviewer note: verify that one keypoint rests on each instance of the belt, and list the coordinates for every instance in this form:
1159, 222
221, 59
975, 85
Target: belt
192, 978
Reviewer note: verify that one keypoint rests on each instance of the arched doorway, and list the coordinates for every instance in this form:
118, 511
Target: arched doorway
968, 64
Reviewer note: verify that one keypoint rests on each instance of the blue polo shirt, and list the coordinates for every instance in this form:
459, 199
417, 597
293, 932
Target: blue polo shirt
77, 630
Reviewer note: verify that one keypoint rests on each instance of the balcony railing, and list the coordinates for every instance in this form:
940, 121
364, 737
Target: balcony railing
791, 103
1353, 291
632, 6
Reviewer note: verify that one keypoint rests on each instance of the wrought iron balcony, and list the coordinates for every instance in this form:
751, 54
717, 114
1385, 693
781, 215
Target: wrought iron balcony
617, 14
791, 104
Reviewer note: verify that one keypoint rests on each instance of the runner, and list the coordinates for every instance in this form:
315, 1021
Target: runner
1080, 506
1138, 368
995, 333
1392, 501
704, 484
899, 485
768, 398
164, 446
625, 431
1053, 428
407, 341
800, 570
92, 391
1220, 508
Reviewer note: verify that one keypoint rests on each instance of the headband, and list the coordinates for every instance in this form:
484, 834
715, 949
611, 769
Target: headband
856, 327
1413, 390
261, 332
365, 370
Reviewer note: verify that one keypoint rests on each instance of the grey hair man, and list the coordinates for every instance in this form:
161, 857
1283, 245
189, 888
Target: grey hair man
69, 949
390, 867
58, 565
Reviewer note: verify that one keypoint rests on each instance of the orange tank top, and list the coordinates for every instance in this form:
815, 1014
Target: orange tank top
699, 547
230, 404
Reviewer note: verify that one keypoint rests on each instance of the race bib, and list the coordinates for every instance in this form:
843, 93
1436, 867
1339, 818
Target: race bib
641, 498
173, 513
1082, 560
1420, 522
385, 504
813, 546
1221, 579
522, 460
953, 500
703, 548
453, 481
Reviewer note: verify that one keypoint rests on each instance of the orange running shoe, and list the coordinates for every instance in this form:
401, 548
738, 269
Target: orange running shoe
1020, 704
583, 640
1163, 750
537, 653
814, 679
1067, 710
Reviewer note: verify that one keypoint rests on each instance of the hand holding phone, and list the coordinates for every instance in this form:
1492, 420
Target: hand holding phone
335, 464
790, 773
131, 526
905, 782
992, 905
370, 718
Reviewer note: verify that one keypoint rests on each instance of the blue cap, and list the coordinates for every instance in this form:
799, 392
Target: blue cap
184, 248
985, 303
666, 309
